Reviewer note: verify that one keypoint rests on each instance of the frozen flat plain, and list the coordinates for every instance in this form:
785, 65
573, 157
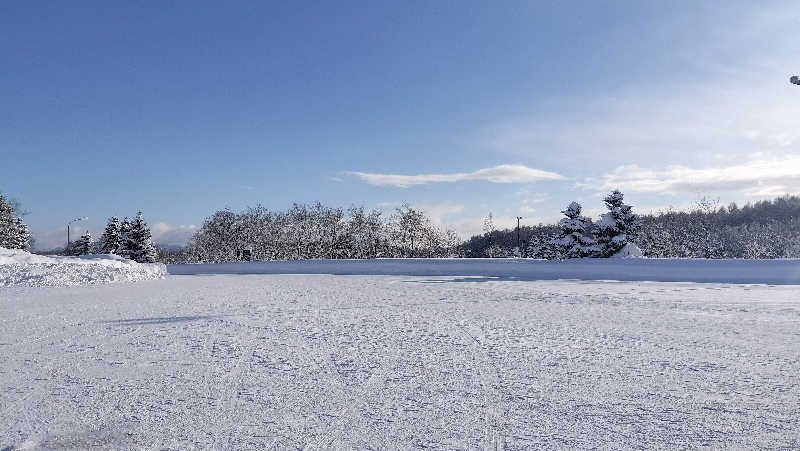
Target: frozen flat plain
260, 361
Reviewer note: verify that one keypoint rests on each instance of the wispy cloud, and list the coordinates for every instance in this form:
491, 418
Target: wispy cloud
506, 173
760, 177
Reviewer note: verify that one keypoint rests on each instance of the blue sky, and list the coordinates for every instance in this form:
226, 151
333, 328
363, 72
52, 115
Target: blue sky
461, 108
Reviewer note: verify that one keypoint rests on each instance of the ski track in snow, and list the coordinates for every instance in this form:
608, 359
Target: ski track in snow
366, 361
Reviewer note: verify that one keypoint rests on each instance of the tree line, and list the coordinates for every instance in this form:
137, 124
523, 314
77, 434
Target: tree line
317, 231
764, 229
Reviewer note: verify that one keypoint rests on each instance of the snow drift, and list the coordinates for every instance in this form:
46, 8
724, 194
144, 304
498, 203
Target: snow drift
20, 268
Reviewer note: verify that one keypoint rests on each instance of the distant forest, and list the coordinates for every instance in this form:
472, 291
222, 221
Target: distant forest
764, 229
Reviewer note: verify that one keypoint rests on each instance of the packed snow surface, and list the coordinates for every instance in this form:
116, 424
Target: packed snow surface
325, 361
20, 268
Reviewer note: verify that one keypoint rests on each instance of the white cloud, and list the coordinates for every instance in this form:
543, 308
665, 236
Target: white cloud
167, 234
506, 173
763, 177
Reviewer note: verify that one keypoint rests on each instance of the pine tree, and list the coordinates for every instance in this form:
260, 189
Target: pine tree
617, 226
111, 240
84, 246
140, 241
14, 233
125, 242
22, 237
576, 238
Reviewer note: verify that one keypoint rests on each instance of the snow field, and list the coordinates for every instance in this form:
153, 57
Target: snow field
332, 361
20, 268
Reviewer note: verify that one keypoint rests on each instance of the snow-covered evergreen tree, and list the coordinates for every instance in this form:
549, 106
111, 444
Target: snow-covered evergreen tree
125, 243
139, 241
576, 239
21, 236
616, 227
14, 233
111, 240
84, 245
7, 229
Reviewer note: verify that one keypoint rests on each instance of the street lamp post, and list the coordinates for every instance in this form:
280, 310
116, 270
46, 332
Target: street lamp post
68, 224
519, 248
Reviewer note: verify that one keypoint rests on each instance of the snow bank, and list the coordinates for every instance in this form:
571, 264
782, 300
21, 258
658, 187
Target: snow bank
20, 268
776, 272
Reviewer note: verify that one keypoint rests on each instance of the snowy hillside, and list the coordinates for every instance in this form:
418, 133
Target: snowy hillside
20, 268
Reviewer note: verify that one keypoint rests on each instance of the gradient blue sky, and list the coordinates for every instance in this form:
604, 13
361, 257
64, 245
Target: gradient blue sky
182, 108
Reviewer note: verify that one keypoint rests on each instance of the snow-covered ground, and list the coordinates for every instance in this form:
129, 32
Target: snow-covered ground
20, 268
270, 361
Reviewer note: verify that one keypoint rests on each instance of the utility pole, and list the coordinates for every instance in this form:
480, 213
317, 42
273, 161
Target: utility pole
520, 249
